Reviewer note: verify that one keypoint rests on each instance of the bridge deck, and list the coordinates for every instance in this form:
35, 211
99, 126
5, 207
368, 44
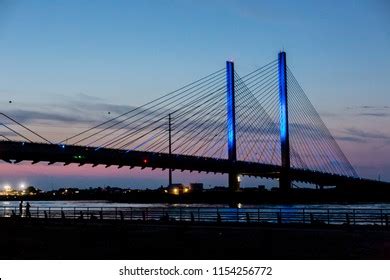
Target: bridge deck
14, 152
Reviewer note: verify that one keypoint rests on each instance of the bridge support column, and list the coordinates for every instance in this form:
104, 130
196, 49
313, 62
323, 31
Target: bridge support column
234, 183
169, 148
284, 180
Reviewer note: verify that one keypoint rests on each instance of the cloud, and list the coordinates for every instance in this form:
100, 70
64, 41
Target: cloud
28, 117
350, 139
89, 98
363, 134
328, 114
359, 136
60, 120
81, 112
4, 134
375, 114
371, 111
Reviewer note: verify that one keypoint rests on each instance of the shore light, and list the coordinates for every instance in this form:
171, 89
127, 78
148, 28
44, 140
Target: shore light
175, 191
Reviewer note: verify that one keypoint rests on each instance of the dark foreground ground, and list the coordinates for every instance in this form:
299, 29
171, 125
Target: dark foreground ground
40, 239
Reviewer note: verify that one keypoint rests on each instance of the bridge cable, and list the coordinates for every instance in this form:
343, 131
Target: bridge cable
18, 123
144, 105
140, 118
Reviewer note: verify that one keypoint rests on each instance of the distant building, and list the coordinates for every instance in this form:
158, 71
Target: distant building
177, 189
196, 187
254, 189
68, 191
113, 189
219, 189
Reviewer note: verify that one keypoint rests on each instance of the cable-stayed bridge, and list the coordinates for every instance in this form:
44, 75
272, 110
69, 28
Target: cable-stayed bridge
260, 124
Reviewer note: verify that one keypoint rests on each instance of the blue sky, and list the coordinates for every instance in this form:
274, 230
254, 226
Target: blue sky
129, 52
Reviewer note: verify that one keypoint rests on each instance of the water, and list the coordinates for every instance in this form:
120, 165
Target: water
102, 203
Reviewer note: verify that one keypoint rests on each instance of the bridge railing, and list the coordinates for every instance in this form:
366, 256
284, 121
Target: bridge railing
335, 216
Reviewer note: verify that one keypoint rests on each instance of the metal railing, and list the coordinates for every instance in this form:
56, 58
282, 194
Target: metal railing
336, 216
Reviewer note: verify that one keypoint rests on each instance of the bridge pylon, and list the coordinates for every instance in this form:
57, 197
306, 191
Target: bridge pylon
234, 180
169, 148
284, 180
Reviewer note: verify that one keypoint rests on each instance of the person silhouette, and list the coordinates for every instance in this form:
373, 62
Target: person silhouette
21, 208
28, 213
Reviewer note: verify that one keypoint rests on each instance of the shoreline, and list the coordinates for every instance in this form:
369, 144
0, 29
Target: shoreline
226, 198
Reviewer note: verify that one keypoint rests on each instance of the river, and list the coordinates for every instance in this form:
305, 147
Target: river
102, 203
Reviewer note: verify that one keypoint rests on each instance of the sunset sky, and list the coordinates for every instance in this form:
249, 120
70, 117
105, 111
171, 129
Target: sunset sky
66, 64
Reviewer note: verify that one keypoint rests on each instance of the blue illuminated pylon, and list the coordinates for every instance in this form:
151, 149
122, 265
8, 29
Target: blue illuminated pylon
231, 124
231, 112
284, 182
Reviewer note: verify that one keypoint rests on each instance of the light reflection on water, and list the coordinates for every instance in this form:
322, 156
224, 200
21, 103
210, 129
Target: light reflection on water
100, 203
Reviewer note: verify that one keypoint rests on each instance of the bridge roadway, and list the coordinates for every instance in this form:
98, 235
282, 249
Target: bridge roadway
14, 152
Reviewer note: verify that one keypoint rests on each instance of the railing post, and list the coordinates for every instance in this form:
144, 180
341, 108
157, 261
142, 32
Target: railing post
381, 217
279, 216
258, 215
328, 217
304, 218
